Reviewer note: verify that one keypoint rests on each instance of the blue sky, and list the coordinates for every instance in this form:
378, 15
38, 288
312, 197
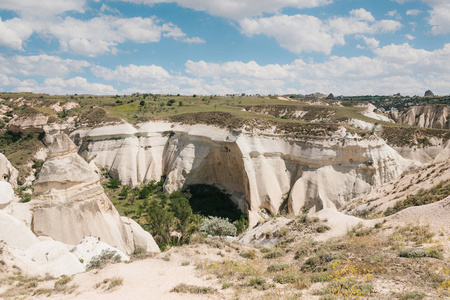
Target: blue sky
347, 47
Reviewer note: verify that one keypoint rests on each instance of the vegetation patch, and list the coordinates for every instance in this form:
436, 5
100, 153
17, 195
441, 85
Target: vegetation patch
420, 252
193, 289
422, 197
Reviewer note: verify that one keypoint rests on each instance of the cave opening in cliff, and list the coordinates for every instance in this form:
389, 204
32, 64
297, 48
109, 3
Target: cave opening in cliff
208, 200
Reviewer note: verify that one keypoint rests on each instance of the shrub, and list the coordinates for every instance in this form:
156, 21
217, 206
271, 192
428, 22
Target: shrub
248, 254
411, 295
287, 278
115, 281
259, 283
105, 257
274, 253
322, 228
192, 289
217, 226
62, 282
420, 252
320, 277
114, 183
277, 267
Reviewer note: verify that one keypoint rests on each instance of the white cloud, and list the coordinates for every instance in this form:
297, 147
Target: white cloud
362, 15
413, 12
299, 33
14, 32
102, 34
75, 85
391, 13
388, 72
42, 9
303, 33
239, 9
440, 18
41, 65
409, 37
132, 73
439, 15
372, 43
87, 37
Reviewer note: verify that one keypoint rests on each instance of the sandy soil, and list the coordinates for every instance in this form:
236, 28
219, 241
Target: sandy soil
151, 278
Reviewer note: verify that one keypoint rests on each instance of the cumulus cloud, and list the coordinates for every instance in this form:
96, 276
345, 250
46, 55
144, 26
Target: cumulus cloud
413, 12
86, 37
440, 18
42, 9
14, 32
304, 33
372, 43
132, 73
439, 15
238, 9
41, 65
391, 13
60, 86
409, 37
388, 72
78, 36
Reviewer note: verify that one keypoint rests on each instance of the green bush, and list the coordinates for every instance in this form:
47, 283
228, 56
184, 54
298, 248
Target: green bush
411, 295
420, 252
114, 183
288, 278
277, 267
217, 226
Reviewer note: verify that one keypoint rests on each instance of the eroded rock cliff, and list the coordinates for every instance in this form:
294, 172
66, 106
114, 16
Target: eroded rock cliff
263, 170
428, 116
70, 204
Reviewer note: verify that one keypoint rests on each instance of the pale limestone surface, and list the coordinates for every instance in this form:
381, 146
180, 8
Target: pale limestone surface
429, 116
370, 112
33, 256
70, 203
28, 124
7, 171
438, 151
258, 168
6, 194
91, 247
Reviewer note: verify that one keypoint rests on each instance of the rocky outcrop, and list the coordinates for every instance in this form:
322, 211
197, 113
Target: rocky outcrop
70, 204
7, 171
428, 93
260, 169
372, 112
25, 124
6, 194
25, 251
428, 116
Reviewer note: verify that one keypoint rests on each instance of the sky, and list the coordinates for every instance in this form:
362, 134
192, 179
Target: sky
218, 47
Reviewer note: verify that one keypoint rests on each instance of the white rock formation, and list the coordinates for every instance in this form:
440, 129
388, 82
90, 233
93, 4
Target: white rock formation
438, 151
91, 247
28, 123
258, 169
429, 116
33, 256
7, 171
70, 204
6, 194
370, 112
